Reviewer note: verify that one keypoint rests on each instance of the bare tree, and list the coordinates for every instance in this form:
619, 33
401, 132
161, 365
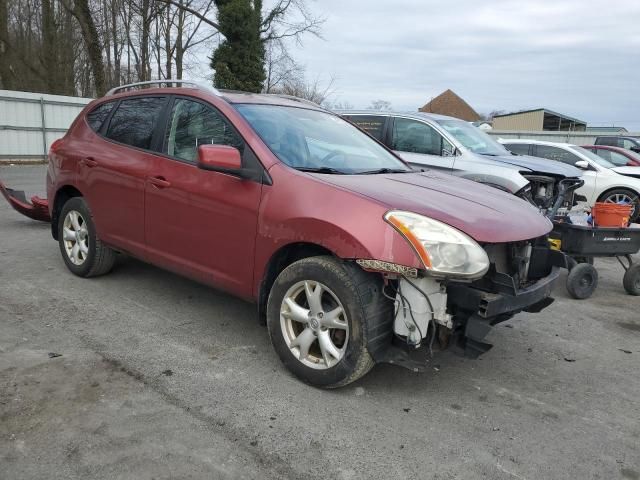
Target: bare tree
379, 105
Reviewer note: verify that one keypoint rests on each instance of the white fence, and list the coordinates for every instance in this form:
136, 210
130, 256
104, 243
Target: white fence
577, 138
31, 122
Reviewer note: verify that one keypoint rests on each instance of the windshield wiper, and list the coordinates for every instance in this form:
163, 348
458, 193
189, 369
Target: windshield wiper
333, 171
384, 170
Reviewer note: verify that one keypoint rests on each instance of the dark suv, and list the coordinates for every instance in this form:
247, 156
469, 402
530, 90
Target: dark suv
353, 257
629, 143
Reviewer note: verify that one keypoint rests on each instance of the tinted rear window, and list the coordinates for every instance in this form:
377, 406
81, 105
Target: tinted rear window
97, 116
372, 124
134, 121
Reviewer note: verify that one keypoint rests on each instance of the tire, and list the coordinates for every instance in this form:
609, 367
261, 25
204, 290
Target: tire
340, 285
582, 281
92, 257
631, 280
619, 194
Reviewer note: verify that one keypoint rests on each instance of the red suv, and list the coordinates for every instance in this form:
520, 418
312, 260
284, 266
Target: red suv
352, 257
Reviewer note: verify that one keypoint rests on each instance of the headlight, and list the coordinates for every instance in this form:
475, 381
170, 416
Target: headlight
444, 250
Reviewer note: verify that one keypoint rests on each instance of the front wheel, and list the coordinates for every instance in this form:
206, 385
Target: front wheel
627, 197
318, 313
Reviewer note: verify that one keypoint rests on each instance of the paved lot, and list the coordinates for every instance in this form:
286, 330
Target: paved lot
163, 378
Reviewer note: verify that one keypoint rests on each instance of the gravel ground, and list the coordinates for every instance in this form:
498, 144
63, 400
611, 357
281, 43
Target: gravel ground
160, 377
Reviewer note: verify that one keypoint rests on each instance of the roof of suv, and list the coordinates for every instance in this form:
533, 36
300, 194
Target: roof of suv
231, 96
536, 142
386, 113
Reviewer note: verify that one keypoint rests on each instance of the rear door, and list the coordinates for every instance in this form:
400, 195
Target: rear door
201, 223
420, 144
113, 169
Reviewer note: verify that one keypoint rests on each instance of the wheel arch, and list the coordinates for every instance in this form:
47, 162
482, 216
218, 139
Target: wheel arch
281, 259
62, 195
619, 187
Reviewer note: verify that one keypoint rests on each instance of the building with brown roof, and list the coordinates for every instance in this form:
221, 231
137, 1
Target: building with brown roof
448, 103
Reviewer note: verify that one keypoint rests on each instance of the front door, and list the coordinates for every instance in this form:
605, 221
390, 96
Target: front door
201, 223
421, 145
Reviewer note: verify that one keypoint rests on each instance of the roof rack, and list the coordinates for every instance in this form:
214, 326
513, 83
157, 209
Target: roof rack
168, 83
296, 99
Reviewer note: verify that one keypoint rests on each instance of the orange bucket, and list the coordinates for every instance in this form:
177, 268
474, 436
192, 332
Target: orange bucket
611, 214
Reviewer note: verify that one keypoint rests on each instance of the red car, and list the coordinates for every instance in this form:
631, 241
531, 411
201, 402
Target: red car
620, 157
352, 257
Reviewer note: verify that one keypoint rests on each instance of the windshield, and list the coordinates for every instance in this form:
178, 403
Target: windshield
317, 141
592, 156
473, 138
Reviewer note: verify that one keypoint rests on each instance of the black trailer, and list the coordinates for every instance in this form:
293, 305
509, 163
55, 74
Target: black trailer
582, 244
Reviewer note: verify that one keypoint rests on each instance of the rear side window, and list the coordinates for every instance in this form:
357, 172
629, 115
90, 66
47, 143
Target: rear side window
372, 124
193, 124
519, 148
134, 121
97, 116
415, 137
555, 153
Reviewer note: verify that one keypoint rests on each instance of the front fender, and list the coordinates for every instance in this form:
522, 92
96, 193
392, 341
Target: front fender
509, 180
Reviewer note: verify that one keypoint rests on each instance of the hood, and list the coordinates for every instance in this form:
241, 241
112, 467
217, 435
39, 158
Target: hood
628, 171
486, 214
540, 165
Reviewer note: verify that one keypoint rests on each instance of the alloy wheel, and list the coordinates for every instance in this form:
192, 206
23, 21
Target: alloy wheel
314, 324
624, 199
76, 237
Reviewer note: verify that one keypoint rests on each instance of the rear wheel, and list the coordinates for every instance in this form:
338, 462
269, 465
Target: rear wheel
582, 281
624, 196
317, 315
82, 251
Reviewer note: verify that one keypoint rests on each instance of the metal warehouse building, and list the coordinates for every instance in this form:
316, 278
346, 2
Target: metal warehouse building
538, 120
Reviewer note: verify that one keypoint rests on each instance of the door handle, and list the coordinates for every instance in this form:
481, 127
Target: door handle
90, 162
159, 182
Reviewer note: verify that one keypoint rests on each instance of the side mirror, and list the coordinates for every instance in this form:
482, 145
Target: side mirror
220, 158
635, 149
583, 164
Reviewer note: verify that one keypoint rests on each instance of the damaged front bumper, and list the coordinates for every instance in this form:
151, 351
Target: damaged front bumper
37, 209
474, 308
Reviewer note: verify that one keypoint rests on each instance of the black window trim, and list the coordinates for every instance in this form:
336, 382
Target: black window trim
262, 176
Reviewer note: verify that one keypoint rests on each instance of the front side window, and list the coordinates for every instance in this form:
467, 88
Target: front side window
314, 140
555, 153
472, 138
591, 156
134, 121
416, 137
629, 144
602, 153
97, 116
193, 124
519, 148
372, 124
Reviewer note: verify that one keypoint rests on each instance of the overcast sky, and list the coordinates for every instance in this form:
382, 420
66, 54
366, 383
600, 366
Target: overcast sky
578, 57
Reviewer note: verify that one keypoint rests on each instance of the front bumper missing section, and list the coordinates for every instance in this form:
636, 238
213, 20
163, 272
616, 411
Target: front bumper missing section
37, 209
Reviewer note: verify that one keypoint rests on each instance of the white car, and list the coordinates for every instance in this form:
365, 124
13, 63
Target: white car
603, 181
